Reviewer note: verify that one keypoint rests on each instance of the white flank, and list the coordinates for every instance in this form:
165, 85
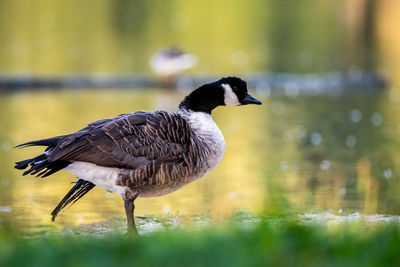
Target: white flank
103, 177
230, 98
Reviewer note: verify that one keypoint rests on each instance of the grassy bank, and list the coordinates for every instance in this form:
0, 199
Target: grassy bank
279, 242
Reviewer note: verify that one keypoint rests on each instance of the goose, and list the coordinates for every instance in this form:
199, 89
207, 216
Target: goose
141, 154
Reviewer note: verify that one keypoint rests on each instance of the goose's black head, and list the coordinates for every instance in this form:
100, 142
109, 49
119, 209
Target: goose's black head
228, 91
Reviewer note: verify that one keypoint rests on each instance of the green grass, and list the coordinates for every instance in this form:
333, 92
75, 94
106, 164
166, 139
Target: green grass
280, 242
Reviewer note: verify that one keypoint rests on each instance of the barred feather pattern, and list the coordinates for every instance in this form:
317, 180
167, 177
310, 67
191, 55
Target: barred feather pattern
155, 152
194, 157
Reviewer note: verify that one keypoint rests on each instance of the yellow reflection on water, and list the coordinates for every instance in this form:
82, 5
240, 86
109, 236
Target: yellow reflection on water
270, 165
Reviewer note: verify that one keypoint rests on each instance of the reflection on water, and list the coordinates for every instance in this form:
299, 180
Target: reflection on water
303, 154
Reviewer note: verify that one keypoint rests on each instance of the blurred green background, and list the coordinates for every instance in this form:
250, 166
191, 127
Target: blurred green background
295, 153
48, 37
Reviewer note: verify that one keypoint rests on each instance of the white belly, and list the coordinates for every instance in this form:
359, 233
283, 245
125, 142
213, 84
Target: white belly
103, 177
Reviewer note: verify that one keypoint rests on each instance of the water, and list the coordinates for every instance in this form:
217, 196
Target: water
303, 154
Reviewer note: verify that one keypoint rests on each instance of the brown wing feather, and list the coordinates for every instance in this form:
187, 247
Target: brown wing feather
127, 141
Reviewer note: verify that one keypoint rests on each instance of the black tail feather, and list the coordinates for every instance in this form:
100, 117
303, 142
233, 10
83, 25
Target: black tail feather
77, 191
50, 142
20, 165
40, 165
55, 167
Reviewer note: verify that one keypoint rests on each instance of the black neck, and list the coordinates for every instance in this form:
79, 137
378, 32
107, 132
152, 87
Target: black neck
204, 99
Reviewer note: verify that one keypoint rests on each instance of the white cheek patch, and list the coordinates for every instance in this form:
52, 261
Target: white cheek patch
230, 98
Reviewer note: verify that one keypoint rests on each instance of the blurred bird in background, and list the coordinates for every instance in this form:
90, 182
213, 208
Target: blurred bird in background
169, 62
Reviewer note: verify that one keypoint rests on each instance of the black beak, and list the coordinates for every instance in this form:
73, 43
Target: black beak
248, 99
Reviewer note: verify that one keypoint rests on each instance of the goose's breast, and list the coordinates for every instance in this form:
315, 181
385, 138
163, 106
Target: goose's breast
211, 146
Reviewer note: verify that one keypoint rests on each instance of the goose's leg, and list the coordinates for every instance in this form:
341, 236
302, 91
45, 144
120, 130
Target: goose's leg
129, 210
